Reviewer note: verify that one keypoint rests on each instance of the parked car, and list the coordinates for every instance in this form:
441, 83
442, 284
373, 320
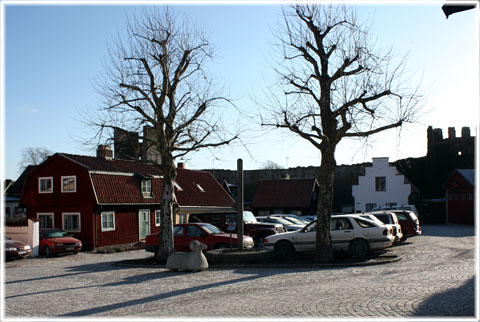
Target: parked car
390, 220
350, 233
56, 241
251, 227
372, 217
295, 218
15, 249
205, 233
287, 224
398, 207
409, 223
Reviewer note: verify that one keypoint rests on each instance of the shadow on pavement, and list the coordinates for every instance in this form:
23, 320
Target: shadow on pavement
454, 302
449, 230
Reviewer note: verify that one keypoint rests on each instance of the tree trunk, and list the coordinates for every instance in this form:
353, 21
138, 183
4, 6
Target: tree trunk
167, 207
324, 252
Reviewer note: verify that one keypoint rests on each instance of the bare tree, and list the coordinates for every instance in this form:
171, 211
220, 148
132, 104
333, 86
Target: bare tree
158, 78
334, 84
33, 156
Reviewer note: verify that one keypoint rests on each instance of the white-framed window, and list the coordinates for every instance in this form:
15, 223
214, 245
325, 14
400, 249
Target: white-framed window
69, 183
108, 220
45, 184
158, 213
147, 188
182, 218
71, 222
177, 186
45, 220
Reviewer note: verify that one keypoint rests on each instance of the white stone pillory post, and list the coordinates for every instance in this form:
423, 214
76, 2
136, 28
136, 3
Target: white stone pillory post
194, 261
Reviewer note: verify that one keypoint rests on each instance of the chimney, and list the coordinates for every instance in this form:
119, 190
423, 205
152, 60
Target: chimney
181, 165
451, 133
105, 152
465, 132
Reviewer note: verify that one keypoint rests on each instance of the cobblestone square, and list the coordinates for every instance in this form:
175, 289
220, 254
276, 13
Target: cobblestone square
435, 278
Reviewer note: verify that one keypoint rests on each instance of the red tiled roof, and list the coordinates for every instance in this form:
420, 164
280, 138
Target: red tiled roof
283, 193
113, 189
124, 166
200, 188
118, 182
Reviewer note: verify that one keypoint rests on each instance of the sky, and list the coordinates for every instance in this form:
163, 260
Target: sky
52, 54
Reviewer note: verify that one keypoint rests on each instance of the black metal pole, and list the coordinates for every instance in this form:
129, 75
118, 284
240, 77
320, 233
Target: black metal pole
240, 204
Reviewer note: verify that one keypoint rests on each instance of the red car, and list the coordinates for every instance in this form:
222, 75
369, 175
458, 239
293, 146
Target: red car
15, 249
56, 241
205, 233
409, 222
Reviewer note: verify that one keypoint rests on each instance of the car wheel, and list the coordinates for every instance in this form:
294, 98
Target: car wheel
48, 252
221, 245
359, 248
260, 243
284, 249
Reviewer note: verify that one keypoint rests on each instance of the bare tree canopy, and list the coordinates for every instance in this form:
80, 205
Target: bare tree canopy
158, 78
33, 156
333, 84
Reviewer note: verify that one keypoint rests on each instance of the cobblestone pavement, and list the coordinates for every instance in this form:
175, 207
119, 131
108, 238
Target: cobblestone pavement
435, 278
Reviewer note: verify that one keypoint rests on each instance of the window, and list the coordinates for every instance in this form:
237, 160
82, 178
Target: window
182, 218
263, 212
177, 186
45, 185
7, 211
158, 213
108, 221
369, 206
194, 231
380, 184
45, 220
199, 187
341, 224
71, 222
69, 184
147, 188
178, 231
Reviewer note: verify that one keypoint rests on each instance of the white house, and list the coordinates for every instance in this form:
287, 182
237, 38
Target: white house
382, 185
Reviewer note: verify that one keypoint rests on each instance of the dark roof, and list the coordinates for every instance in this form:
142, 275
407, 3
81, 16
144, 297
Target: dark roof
17, 188
468, 174
123, 166
284, 193
199, 188
118, 182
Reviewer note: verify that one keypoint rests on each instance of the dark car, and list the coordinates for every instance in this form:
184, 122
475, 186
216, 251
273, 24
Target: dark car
15, 249
57, 241
251, 227
205, 233
409, 222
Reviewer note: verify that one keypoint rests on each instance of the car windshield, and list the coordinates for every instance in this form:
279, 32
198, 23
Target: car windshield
310, 227
383, 218
211, 229
366, 223
54, 233
295, 220
282, 221
248, 217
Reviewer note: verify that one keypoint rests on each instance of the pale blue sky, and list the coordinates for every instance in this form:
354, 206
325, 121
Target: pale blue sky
54, 53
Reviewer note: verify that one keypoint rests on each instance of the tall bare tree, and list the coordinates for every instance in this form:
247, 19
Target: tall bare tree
333, 84
158, 77
33, 156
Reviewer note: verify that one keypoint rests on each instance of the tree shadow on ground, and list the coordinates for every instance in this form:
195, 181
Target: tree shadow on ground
457, 302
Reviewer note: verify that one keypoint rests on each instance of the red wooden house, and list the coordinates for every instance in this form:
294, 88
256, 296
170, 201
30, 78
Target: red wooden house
104, 201
460, 192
